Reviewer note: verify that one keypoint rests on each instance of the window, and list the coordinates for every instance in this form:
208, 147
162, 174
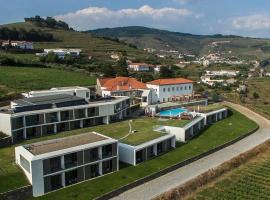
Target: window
107, 166
173, 89
181, 88
51, 117
177, 88
79, 113
32, 120
185, 87
94, 111
55, 164
190, 87
71, 177
87, 94
164, 89
17, 123
65, 115
169, 89
71, 160
25, 163
56, 182
107, 151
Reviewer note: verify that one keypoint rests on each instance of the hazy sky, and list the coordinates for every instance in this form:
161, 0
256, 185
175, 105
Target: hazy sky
241, 17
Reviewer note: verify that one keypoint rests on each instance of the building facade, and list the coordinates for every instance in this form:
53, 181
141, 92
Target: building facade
139, 67
39, 116
137, 154
55, 164
166, 89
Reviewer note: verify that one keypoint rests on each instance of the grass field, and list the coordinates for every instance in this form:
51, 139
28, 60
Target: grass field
249, 181
223, 131
21, 79
208, 108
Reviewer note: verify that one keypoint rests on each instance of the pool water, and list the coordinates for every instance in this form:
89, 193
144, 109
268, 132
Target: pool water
172, 113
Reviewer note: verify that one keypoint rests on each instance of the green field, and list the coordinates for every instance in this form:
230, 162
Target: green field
208, 108
223, 131
22, 79
249, 181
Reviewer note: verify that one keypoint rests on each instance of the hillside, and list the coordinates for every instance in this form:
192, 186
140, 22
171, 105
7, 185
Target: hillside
91, 45
144, 37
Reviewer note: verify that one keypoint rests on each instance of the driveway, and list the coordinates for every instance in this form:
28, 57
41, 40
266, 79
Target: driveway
171, 180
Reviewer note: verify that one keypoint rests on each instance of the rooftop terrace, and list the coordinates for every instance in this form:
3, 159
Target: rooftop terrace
206, 109
143, 127
63, 143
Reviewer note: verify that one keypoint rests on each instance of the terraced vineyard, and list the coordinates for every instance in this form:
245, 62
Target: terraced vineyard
251, 181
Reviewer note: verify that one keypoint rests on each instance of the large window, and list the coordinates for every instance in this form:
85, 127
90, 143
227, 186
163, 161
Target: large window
56, 182
107, 166
91, 155
92, 171
65, 115
55, 164
17, 123
51, 117
71, 160
107, 151
32, 120
94, 111
80, 113
71, 177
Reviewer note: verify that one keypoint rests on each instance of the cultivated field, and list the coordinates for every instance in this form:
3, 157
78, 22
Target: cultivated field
249, 181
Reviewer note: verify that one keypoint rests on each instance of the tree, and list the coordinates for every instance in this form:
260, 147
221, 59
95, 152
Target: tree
121, 67
256, 95
165, 72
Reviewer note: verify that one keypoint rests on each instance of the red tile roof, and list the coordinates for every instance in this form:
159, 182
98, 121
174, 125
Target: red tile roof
121, 83
170, 81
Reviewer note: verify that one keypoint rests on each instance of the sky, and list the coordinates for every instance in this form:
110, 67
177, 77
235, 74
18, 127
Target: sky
238, 17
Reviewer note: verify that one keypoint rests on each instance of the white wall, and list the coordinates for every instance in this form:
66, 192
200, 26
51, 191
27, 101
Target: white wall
176, 92
5, 124
37, 177
179, 132
126, 153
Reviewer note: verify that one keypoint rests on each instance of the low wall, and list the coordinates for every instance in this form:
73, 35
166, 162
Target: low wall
17, 194
6, 141
170, 169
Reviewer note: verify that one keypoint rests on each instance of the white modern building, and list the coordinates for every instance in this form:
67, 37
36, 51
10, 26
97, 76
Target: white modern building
139, 67
45, 115
61, 53
137, 154
54, 164
166, 89
19, 44
82, 92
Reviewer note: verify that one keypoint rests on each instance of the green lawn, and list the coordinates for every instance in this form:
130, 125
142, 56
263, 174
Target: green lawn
217, 134
19, 79
249, 181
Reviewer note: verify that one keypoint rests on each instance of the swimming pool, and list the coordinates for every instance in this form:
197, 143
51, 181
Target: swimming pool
172, 112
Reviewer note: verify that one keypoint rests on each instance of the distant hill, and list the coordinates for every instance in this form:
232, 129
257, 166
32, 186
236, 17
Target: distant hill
144, 37
100, 48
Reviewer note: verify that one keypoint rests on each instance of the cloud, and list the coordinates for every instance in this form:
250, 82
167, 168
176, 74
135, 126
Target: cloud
100, 17
252, 22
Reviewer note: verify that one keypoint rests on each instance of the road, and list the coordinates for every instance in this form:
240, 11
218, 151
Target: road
171, 180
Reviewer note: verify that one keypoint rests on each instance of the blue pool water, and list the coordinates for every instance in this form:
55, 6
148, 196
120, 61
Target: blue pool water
172, 112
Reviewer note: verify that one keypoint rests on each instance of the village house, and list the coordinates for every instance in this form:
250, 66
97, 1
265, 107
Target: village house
18, 44
139, 67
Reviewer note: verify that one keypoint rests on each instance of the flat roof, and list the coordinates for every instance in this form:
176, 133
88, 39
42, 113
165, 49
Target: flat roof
49, 99
64, 143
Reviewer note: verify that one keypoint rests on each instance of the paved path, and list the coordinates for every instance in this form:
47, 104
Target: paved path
171, 180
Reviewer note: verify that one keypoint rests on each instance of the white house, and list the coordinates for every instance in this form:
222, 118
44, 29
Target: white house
82, 92
61, 53
19, 44
54, 164
166, 89
139, 67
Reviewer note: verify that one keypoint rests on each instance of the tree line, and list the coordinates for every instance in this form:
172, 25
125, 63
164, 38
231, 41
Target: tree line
48, 22
22, 34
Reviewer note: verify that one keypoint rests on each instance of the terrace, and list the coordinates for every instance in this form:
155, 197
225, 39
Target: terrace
143, 129
206, 109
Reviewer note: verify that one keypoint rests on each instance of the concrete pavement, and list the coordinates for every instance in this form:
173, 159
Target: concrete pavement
171, 180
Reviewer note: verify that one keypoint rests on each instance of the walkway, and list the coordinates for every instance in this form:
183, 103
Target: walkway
171, 180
